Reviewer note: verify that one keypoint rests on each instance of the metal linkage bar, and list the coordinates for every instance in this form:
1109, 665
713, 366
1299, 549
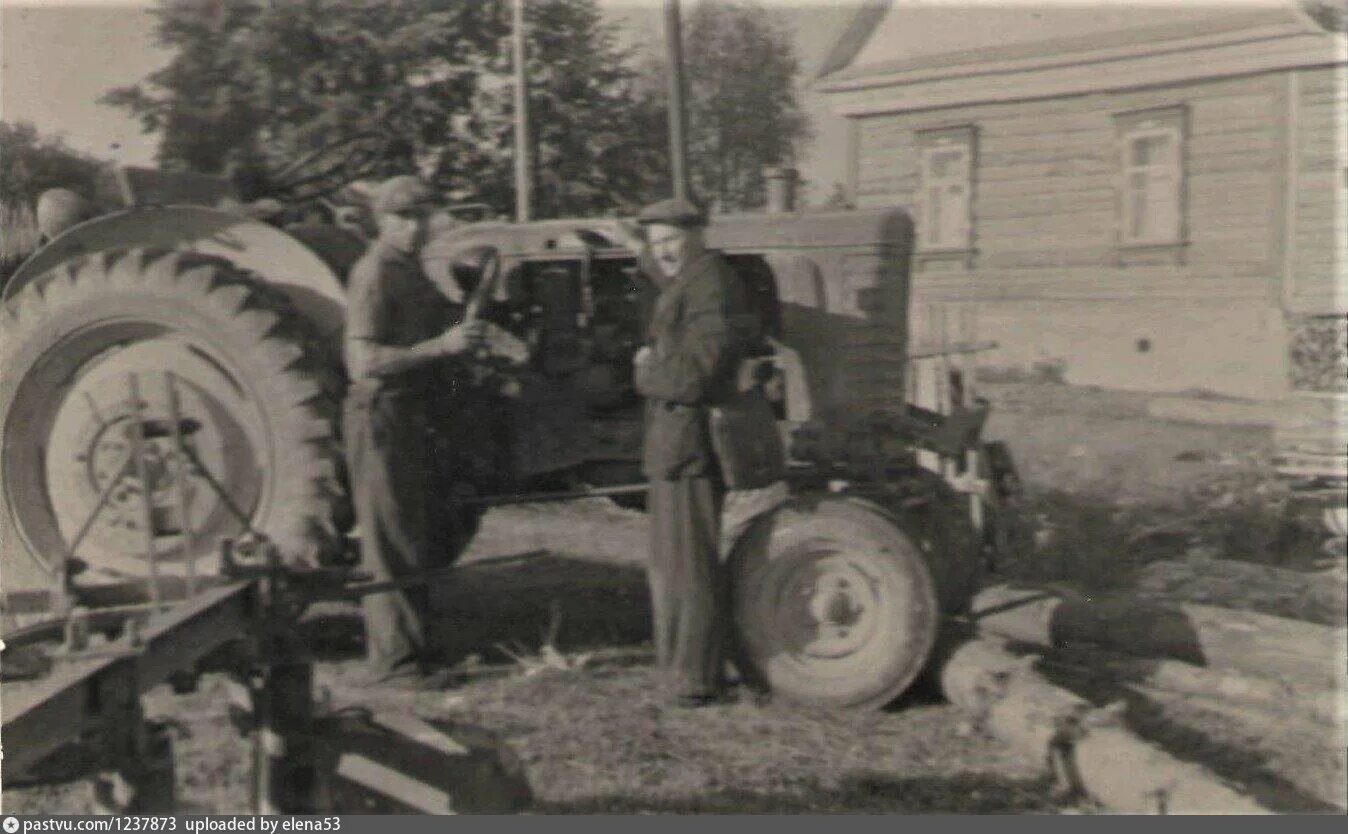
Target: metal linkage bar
180, 477
219, 488
543, 497
137, 436
102, 502
929, 351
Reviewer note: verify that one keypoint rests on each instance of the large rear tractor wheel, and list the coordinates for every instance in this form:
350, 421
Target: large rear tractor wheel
225, 390
834, 605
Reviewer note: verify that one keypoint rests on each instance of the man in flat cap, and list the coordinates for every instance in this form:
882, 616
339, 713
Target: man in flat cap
700, 329
60, 208
399, 331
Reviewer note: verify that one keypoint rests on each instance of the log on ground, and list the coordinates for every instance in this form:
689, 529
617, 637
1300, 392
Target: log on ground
1087, 748
1288, 700
1202, 635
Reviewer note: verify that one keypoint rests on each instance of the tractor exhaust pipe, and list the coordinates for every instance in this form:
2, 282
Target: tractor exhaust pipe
678, 114
780, 184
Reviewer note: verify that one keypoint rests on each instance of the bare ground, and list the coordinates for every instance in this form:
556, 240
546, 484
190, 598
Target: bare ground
1110, 489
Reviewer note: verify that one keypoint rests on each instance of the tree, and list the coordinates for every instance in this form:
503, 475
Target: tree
591, 153
33, 163
740, 69
388, 86
257, 85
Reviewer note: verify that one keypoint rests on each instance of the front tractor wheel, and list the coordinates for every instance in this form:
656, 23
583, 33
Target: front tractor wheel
833, 604
210, 374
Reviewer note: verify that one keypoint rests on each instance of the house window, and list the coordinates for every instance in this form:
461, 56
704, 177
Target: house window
1151, 148
946, 200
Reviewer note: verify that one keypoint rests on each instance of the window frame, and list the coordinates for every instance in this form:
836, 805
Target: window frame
1171, 123
930, 143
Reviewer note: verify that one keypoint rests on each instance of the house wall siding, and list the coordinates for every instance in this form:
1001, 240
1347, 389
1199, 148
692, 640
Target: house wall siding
1047, 274
1317, 258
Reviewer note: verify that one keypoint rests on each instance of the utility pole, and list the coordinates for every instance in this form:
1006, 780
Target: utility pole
678, 116
523, 163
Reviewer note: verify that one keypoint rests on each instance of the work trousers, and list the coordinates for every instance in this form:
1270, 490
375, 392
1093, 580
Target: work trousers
690, 593
398, 492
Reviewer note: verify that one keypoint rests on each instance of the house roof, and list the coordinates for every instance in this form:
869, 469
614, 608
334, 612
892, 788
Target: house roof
864, 21
890, 41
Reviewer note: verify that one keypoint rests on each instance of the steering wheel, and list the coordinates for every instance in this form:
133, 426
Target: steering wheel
485, 263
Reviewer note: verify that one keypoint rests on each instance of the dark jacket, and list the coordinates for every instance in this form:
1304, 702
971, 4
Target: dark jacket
391, 301
700, 330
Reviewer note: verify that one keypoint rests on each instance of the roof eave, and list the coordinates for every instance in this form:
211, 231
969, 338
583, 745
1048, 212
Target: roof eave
1265, 23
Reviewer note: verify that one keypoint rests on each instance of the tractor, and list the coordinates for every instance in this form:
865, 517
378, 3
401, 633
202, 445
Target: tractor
170, 381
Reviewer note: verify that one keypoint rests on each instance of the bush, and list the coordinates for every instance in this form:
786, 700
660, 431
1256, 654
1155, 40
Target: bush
1318, 351
18, 238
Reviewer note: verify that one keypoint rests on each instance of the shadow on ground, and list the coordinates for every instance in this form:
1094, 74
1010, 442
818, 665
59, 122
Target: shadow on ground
515, 603
858, 793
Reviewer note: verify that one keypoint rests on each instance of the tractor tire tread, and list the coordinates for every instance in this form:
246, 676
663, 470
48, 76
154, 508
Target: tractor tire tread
299, 382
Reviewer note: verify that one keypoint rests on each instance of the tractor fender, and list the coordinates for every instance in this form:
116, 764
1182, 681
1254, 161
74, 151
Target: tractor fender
745, 506
276, 257
934, 516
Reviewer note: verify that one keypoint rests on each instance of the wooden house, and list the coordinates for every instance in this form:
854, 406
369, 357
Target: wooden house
1145, 197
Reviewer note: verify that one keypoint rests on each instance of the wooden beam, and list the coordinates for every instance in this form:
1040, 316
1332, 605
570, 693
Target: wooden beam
678, 112
42, 715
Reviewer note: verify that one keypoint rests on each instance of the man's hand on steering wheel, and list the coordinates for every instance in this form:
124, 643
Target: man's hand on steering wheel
469, 336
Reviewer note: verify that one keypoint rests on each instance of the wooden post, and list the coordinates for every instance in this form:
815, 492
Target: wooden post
523, 157
283, 720
968, 371
138, 775
281, 685
678, 114
287, 738
945, 395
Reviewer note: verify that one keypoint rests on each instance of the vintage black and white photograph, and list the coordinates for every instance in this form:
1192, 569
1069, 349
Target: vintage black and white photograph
673, 407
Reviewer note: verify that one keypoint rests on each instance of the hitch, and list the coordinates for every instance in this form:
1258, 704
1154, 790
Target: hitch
309, 758
949, 435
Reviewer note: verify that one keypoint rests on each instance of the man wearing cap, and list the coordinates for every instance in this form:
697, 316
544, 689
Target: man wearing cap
398, 331
58, 209
698, 335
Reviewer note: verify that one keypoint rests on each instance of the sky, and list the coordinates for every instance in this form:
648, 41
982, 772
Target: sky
57, 59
